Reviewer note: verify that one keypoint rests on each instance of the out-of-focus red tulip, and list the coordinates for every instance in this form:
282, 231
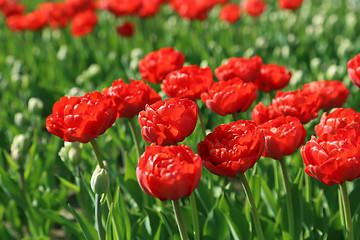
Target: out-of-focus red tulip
248, 69
157, 64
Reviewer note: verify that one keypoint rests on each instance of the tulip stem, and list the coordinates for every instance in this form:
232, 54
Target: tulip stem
288, 198
235, 116
179, 219
97, 153
254, 212
135, 136
195, 217
347, 212
98, 221
202, 124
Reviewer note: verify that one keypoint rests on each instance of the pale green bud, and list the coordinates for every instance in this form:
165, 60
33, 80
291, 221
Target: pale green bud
100, 180
35, 105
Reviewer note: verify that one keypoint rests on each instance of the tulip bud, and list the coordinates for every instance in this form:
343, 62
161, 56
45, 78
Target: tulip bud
35, 105
100, 180
18, 146
71, 152
19, 119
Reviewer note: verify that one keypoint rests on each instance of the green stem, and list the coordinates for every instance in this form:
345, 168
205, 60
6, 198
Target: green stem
307, 188
202, 124
235, 116
97, 153
347, 212
254, 212
288, 198
98, 221
195, 217
81, 197
135, 136
179, 219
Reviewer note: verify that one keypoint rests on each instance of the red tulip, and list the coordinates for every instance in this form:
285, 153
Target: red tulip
188, 82
283, 136
230, 13
333, 158
254, 7
156, 65
83, 23
332, 93
153, 97
81, 119
56, 14
149, 8
169, 172
129, 98
290, 4
232, 148
262, 114
127, 29
12, 8
353, 67
340, 118
191, 9
168, 122
248, 69
230, 97
298, 104
120, 7
272, 77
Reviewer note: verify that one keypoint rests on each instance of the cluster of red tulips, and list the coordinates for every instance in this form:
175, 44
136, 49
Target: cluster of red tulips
170, 171
82, 16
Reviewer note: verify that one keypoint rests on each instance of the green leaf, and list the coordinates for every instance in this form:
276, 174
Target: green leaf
235, 218
215, 226
58, 218
68, 184
10, 161
269, 198
88, 230
131, 183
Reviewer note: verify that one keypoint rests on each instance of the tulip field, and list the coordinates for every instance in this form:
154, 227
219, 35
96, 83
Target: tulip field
169, 119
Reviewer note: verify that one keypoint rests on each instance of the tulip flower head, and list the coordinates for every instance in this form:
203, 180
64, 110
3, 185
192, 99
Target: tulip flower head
168, 122
283, 136
333, 159
169, 172
353, 67
130, 98
81, 119
232, 148
230, 13
248, 69
229, 97
332, 93
254, 7
340, 118
156, 65
188, 82
272, 77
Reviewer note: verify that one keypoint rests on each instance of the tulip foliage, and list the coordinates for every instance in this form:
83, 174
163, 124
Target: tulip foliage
191, 119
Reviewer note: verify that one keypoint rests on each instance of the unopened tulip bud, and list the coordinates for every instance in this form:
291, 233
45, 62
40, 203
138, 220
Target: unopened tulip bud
35, 105
100, 180
17, 146
19, 119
